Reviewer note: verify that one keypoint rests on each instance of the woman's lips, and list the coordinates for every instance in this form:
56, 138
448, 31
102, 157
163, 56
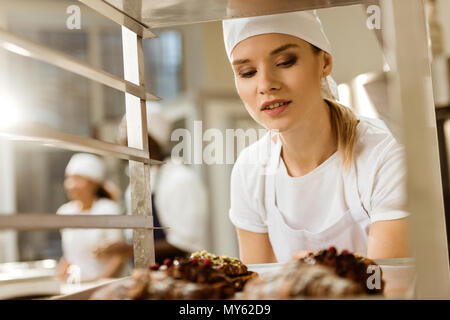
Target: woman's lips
276, 111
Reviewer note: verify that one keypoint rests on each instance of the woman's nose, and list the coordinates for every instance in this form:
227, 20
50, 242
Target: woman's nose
267, 82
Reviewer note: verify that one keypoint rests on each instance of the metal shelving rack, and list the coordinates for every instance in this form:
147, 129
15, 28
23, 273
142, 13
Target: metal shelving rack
137, 151
404, 43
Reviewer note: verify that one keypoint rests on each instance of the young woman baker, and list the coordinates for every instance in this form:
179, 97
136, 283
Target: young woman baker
321, 176
86, 187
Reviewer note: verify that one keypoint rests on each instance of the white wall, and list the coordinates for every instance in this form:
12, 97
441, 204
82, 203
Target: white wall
443, 11
206, 66
355, 48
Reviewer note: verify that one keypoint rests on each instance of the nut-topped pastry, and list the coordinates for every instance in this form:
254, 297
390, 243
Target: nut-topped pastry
232, 267
229, 266
203, 276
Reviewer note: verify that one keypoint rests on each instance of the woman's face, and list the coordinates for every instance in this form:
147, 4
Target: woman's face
80, 188
278, 68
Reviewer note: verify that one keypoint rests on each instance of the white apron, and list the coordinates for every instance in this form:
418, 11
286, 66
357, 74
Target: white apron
349, 232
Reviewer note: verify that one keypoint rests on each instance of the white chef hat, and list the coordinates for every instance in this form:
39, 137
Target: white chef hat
158, 126
305, 25
87, 165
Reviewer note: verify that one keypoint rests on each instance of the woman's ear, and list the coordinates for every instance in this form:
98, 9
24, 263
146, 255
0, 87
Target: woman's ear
327, 66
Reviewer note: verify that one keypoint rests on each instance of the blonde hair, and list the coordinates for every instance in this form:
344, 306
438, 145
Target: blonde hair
344, 123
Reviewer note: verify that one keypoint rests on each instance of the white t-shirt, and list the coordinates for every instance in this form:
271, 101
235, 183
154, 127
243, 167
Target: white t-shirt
316, 201
182, 205
78, 244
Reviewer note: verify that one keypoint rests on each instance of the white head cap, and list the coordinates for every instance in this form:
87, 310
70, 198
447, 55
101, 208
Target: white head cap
301, 24
87, 165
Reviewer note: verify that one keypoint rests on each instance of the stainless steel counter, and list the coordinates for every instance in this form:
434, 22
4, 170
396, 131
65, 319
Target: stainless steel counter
28, 279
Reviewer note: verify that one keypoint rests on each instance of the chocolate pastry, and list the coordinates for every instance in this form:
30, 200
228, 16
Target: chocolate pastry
132, 288
347, 265
300, 280
201, 272
178, 279
165, 287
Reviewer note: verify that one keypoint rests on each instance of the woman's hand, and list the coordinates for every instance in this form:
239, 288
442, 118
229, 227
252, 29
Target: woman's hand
116, 255
114, 266
297, 255
63, 268
116, 248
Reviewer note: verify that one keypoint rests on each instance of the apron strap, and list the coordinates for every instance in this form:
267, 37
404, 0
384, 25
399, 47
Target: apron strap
270, 170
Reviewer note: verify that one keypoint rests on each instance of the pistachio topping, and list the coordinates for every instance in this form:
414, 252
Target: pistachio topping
230, 266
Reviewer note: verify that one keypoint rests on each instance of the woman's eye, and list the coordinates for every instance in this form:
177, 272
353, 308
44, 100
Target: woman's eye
247, 74
287, 63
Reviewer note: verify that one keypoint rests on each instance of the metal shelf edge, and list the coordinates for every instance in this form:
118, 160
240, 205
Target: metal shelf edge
28, 48
120, 17
36, 221
51, 137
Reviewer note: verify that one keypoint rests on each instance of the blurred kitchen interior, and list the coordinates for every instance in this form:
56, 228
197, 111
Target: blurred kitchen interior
187, 67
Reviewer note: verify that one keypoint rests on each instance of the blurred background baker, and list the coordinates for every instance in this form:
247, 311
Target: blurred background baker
179, 197
90, 194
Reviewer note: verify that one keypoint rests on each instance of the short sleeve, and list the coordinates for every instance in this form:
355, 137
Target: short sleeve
388, 199
243, 213
67, 208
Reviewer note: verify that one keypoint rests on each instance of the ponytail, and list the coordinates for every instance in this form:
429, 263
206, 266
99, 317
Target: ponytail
344, 123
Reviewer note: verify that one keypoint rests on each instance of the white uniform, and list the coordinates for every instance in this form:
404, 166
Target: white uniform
182, 205
78, 244
327, 206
